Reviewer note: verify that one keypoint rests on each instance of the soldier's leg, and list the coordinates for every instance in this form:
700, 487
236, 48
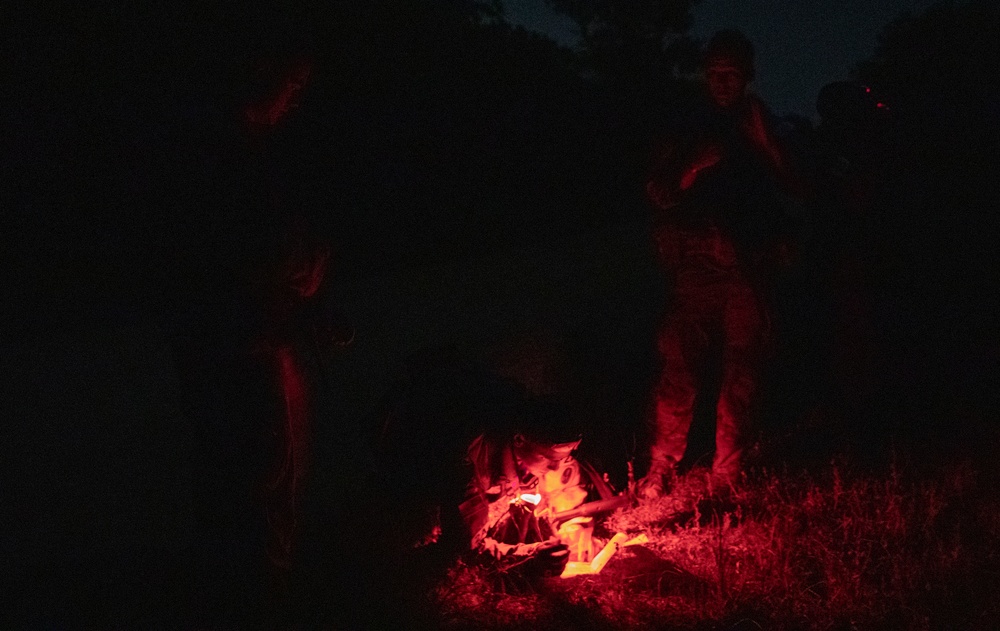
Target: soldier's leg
282, 489
681, 343
743, 333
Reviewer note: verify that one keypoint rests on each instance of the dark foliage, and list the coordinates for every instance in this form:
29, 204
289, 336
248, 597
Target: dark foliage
938, 72
633, 43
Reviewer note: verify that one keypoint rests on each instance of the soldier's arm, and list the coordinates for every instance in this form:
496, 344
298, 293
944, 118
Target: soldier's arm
676, 168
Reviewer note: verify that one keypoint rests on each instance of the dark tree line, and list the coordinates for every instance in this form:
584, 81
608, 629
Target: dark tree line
935, 75
638, 42
424, 114
940, 72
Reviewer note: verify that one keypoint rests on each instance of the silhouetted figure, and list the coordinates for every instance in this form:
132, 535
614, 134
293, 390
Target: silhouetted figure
720, 223
247, 348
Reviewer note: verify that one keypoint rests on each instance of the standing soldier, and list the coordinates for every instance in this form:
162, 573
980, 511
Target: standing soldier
244, 352
716, 189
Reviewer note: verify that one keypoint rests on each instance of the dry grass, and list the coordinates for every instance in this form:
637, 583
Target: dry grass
829, 550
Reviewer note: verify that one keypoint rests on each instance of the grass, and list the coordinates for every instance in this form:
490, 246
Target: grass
832, 549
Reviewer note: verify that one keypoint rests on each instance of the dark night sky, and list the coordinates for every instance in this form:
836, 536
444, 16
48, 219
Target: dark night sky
801, 44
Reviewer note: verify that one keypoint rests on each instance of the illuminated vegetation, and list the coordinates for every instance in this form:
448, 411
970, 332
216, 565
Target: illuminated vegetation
834, 550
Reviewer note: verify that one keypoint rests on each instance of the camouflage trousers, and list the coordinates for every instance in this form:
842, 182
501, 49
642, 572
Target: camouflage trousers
717, 321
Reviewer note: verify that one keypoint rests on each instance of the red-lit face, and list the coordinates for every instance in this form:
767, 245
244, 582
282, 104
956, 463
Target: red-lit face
727, 83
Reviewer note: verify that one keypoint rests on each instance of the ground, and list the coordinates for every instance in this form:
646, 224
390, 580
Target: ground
833, 550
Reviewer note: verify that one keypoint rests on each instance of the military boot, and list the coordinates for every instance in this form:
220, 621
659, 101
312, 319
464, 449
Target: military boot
660, 480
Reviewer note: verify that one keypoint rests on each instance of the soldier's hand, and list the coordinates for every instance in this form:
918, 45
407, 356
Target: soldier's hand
706, 157
305, 271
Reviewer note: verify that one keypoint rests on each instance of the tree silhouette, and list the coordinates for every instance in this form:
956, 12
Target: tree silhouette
940, 74
633, 40
941, 71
